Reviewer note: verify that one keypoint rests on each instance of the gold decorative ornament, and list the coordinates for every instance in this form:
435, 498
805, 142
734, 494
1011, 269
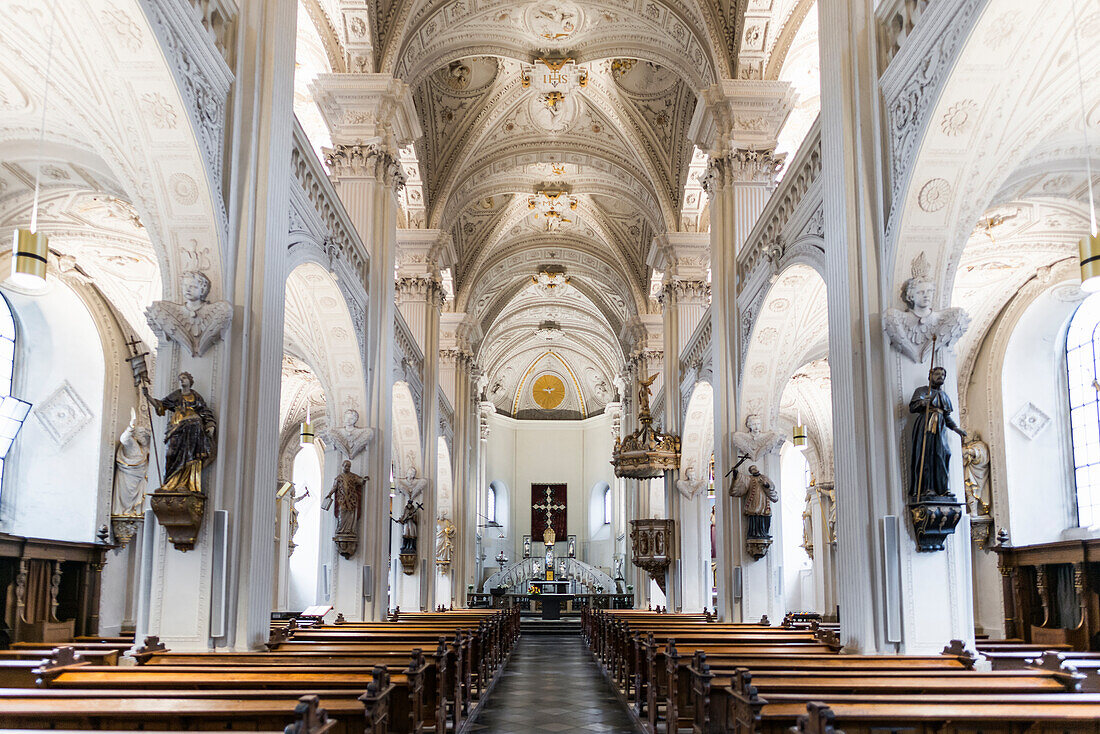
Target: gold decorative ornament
647, 453
548, 391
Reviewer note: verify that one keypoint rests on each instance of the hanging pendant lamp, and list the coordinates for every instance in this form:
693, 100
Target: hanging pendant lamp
30, 248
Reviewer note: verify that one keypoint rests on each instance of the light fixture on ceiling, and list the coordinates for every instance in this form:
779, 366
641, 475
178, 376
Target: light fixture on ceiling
305, 433
798, 434
30, 248
1089, 245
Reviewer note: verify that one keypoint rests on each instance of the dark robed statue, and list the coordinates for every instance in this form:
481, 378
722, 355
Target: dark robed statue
930, 455
190, 438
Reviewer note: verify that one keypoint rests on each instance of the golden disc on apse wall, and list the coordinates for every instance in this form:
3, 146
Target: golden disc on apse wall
548, 391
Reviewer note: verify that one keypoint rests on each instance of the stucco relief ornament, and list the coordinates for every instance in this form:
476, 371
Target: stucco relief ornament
412, 484
349, 438
911, 331
196, 324
755, 442
689, 486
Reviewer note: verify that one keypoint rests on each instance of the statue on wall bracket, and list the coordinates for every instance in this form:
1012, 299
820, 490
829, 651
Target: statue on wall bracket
933, 508
757, 494
191, 441
410, 532
346, 499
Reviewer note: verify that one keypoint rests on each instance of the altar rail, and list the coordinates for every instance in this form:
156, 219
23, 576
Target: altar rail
524, 601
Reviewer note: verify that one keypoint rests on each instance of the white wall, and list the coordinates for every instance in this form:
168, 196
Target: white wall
574, 453
51, 490
1041, 496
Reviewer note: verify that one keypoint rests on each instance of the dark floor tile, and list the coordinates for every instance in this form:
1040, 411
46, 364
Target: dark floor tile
551, 685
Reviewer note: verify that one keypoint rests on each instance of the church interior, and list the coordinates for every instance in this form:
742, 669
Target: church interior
550, 366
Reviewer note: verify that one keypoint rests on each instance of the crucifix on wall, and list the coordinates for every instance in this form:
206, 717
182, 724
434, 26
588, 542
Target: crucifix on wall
548, 509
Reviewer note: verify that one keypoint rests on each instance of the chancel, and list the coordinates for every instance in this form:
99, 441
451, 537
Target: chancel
550, 365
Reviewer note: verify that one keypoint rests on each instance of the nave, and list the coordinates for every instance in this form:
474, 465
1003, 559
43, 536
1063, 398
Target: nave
346, 342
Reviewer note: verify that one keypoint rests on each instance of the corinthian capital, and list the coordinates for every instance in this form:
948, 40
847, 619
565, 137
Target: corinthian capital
364, 161
746, 166
367, 108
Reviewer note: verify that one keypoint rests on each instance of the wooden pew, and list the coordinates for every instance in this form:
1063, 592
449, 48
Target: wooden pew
308, 714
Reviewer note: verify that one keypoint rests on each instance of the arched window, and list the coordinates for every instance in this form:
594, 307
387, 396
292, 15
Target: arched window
1083, 369
607, 506
13, 411
491, 505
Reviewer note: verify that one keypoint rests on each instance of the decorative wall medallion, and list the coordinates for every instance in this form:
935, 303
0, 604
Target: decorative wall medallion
933, 195
755, 33
1001, 28
128, 32
183, 188
958, 116
1030, 420
62, 414
554, 21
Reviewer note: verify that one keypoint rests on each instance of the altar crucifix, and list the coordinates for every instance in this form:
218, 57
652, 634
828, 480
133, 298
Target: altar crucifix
545, 500
548, 510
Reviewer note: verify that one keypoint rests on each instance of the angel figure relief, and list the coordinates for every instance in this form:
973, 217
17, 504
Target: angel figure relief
755, 442
911, 331
196, 324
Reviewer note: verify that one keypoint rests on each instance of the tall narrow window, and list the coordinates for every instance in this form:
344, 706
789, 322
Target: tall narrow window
1083, 368
491, 505
12, 410
607, 506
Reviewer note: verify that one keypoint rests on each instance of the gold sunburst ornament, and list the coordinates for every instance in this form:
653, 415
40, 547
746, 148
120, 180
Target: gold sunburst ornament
548, 391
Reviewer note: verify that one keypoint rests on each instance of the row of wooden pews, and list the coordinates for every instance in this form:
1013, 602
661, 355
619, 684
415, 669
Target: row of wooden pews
416, 671
688, 672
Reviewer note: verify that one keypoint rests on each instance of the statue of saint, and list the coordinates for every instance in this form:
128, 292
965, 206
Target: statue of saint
413, 485
976, 475
930, 455
347, 490
131, 469
445, 542
757, 493
911, 331
292, 530
689, 486
755, 442
190, 438
409, 531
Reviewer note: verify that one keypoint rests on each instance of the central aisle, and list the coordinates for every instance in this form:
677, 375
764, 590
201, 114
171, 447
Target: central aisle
552, 684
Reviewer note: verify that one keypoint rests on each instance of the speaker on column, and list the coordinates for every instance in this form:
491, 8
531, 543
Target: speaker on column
219, 580
891, 563
424, 581
735, 579
368, 583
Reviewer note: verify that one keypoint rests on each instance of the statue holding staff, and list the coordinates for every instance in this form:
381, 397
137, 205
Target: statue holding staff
190, 438
931, 456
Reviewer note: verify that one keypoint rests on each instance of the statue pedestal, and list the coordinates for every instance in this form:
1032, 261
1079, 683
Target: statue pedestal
935, 518
181, 515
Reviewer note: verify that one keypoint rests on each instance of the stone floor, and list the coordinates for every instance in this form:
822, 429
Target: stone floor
551, 684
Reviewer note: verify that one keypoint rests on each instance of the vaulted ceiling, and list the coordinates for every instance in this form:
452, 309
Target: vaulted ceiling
555, 141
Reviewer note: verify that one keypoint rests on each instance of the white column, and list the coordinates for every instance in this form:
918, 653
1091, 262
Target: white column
740, 177
685, 295
370, 117
870, 381
240, 378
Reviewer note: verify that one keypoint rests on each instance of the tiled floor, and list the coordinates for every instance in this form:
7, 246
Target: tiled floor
552, 685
